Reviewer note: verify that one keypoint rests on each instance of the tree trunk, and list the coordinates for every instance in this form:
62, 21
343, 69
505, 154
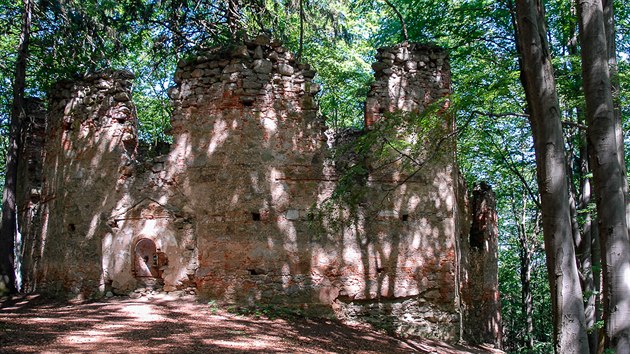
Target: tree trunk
609, 28
539, 84
586, 252
608, 175
526, 290
525, 258
8, 228
233, 17
301, 45
403, 24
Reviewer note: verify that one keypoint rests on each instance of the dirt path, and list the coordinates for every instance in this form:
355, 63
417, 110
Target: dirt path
163, 324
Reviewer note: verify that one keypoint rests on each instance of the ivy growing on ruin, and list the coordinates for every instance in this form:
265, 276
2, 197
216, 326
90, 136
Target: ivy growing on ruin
404, 141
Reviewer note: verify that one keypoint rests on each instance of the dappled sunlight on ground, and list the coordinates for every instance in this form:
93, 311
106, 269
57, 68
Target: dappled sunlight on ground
164, 323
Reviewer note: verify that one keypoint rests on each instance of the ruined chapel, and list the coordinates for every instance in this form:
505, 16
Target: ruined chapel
233, 209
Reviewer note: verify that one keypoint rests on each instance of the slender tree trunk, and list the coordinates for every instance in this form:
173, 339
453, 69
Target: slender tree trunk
8, 228
596, 257
403, 24
233, 17
608, 174
586, 252
525, 257
301, 46
526, 289
609, 27
588, 255
540, 89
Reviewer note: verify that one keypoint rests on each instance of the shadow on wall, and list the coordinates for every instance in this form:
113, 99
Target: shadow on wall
252, 142
88, 150
244, 205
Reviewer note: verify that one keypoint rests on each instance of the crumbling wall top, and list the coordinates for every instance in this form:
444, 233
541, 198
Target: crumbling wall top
102, 98
408, 78
238, 76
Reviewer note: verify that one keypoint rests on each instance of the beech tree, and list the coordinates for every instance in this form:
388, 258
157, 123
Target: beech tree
608, 174
8, 228
544, 115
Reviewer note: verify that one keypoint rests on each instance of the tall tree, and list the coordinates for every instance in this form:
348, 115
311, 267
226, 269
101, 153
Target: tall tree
608, 174
615, 87
8, 228
589, 253
544, 115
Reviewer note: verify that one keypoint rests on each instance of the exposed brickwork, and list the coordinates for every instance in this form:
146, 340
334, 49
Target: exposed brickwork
88, 155
236, 204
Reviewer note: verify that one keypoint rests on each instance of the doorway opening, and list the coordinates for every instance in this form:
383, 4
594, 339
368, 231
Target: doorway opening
145, 259
149, 263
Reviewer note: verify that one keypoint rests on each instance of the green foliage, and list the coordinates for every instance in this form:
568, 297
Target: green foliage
338, 39
336, 44
510, 286
269, 311
213, 306
153, 78
9, 27
401, 142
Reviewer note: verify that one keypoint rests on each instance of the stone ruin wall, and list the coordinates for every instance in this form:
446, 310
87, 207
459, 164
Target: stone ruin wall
248, 152
410, 213
409, 78
481, 305
88, 152
233, 205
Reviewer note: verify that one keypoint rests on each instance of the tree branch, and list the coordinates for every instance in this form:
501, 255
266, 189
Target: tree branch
573, 124
402, 20
499, 115
513, 114
510, 163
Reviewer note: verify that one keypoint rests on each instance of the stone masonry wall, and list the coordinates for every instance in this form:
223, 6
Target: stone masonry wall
407, 237
239, 209
248, 157
88, 153
481, 306
409, 77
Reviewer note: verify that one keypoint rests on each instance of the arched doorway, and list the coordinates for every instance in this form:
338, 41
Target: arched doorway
145, 259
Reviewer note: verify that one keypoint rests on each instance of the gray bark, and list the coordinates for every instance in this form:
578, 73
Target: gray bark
609, 28
588, 258
608, 174
527, 302
539, 84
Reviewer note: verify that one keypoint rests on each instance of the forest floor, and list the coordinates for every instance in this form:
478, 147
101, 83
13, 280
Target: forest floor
161, 324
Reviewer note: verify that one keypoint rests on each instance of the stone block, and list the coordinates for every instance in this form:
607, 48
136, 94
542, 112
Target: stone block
262, 66
197, 73
240, 52
285, 69
262, 40
292, 214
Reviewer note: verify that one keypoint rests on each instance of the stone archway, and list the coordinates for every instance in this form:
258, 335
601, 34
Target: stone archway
145, 259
